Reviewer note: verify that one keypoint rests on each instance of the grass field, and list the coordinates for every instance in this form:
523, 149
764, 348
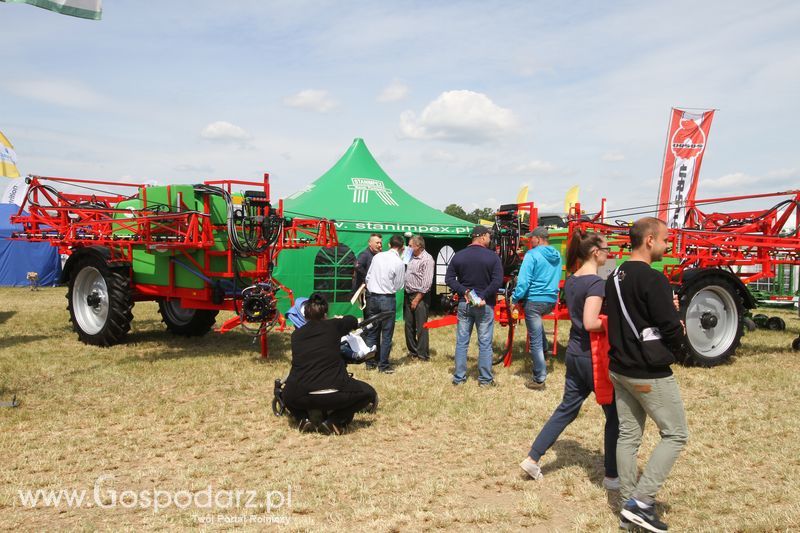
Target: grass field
162, 413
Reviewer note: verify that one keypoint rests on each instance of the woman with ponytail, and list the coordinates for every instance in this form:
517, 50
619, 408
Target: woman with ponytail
584, 291
318, 379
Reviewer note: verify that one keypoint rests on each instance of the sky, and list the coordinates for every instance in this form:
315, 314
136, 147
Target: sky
460, 102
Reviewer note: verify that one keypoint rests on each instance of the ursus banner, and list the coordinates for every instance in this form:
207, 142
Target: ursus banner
686, 143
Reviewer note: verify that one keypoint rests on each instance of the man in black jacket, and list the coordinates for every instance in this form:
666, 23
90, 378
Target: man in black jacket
640, 370
475, 274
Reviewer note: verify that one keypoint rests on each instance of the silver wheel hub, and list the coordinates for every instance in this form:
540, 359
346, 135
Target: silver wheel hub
178, 314
90, 300
711, 321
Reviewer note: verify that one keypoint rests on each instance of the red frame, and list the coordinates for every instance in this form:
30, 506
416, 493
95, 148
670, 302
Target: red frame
70, 227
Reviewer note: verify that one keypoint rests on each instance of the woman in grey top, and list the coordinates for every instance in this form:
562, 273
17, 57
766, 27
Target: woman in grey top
584, 292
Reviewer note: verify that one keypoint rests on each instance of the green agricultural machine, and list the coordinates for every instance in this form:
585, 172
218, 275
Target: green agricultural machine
195, 249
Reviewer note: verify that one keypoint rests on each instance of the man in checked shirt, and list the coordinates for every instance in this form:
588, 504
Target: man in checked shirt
419, 277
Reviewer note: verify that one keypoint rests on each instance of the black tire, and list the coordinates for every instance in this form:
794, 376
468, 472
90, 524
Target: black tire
99, 301
749, 324
713, 311
186, 322
796, 344
776, 323
761, 320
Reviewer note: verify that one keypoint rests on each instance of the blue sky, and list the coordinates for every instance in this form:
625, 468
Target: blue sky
459, 101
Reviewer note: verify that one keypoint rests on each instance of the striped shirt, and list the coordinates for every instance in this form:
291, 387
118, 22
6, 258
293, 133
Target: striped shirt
419, 273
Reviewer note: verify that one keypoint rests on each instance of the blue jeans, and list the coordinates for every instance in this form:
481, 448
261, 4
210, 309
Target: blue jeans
578, 385
378, 303
483, 319
536, 337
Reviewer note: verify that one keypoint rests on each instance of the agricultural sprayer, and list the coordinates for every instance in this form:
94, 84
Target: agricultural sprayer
195, 249
710, 261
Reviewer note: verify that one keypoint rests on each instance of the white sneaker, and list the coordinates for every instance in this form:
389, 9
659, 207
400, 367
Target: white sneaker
531, 468
611, 483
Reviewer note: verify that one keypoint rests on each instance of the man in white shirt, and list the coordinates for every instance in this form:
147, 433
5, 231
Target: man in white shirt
386, 276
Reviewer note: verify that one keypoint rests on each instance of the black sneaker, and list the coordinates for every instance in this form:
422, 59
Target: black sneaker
328, 427
492, 383
387, 370
306, 426
645, 518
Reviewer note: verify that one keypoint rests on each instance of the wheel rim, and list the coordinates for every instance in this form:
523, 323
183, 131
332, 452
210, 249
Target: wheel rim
90, 300
711, 321
178, 314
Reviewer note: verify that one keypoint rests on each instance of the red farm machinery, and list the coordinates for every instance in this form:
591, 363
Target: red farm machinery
710, 261
195, 249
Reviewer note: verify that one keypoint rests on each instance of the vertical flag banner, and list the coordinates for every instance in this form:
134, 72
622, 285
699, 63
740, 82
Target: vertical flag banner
8, 158
522, 195
571, 198
85, 9
686, 143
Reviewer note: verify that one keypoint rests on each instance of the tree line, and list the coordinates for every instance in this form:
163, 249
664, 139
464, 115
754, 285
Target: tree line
455, 210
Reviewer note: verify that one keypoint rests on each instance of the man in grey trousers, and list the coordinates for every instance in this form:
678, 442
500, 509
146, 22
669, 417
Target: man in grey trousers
644, 331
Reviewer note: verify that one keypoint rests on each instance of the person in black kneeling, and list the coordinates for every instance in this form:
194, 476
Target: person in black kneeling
318, 379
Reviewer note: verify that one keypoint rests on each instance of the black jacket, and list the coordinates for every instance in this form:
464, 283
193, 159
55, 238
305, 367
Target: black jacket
648, 298
477, 268
317, 362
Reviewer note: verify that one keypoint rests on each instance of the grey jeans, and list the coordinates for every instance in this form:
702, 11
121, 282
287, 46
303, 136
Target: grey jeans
637, 399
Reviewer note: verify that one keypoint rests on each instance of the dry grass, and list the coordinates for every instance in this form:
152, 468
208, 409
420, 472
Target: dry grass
181, 414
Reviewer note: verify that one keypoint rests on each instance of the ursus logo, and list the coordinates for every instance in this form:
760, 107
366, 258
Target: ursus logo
689, 141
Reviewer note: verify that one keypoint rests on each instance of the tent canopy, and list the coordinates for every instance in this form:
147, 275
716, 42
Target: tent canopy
17, 258
360, 196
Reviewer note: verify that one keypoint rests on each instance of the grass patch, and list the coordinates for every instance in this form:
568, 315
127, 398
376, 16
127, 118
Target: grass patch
182, 414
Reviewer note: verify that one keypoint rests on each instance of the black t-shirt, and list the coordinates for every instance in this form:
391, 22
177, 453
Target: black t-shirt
648, 299
317, 362
576, 290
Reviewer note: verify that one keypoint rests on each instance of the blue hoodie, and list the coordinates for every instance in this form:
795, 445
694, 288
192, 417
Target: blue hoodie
539, 275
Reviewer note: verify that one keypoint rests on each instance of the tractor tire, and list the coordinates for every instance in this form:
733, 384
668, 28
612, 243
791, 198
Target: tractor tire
713, 312
99, 301
749, 324
186, 322
796, 344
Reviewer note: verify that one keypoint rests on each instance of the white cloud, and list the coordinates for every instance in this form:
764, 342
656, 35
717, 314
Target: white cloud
736, 179
64, 93
394, 92
439, 155
613, 156
459, 116
313, 100
222, 131
536, 166
194, 169
783, 173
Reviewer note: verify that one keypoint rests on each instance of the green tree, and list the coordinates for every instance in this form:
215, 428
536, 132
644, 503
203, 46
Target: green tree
455, 210
487, 213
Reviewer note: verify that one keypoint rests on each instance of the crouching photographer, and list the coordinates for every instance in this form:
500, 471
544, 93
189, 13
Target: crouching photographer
318, 379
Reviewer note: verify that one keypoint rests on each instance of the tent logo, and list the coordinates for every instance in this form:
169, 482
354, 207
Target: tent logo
361, 188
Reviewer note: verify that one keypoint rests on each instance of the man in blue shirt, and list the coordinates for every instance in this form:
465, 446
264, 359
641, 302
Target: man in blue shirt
537, 286
475, 274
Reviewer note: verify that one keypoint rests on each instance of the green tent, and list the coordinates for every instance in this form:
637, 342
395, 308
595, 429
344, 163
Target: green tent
362, 199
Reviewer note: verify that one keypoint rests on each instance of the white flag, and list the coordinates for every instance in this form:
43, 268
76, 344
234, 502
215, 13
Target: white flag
86, 9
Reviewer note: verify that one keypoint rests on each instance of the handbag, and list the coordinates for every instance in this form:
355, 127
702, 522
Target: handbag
654, 351
603, 388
